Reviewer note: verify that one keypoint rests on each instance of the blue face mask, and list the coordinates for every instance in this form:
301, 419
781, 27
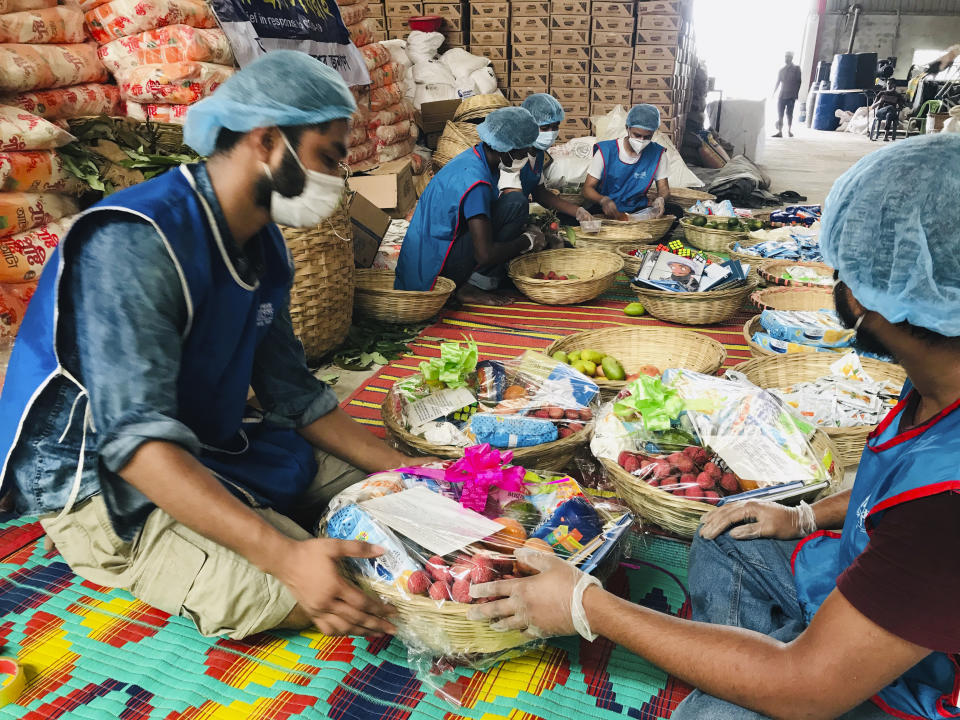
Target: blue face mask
546, 139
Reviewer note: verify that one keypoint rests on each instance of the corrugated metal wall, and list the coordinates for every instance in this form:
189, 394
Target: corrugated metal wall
913, 7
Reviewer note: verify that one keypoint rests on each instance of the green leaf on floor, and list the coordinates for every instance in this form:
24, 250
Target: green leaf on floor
372, 343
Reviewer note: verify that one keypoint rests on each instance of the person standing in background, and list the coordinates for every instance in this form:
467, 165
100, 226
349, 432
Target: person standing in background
788, 84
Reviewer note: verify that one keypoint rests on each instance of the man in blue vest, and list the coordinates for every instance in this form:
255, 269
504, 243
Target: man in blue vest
622, 171
462, 224
845, 608
123, 421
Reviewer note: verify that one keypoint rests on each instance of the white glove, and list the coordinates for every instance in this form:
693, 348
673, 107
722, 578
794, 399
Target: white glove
583, 215
659, 205
537, 239
761, 520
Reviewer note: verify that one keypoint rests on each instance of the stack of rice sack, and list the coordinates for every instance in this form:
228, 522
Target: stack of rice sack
165, 54
354, 15
390, 126
46, 67
361, 150
36, 207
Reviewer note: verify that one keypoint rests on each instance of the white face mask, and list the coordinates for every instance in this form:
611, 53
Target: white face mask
515, 165
546, 139
320, 197
638, 144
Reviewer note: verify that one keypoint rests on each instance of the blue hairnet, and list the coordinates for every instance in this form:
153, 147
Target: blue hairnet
891, 226
509, 128
546, 109
281, 88
645, 117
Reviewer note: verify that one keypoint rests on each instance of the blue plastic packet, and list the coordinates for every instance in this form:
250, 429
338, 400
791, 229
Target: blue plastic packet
352, 523
572, 525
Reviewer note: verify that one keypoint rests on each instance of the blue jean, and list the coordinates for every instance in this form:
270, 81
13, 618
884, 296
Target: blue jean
509, 215
748, 584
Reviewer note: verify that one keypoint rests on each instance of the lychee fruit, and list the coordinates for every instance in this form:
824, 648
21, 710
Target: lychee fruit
482, 574
555, 413
691, 451
461, 591
702, 457
440, 591
622, 457
586, 414
712, 469
418, 583
571, 414
711, 497
694, 492
688, 479
728, 481
705, 481
438, 570
565, 432
631, 464
685, 464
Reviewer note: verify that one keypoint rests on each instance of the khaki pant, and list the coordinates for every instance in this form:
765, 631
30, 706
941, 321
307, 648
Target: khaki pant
177, 570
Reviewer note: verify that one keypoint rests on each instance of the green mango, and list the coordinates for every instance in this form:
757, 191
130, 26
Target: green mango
573, 357
699, 221
586, 367
634, 309
594, 356
561, 356
612, 369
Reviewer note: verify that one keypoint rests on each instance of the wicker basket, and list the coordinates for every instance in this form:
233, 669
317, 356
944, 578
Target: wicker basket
376, 297
477, 107
708, 238
793, 298
755, 261
451, 143
772, 273
555, 454
681, 515
783, 370
613, 233
596, 269
321, 299
683, 196
636, 346
632, 263
656, 229
695, 308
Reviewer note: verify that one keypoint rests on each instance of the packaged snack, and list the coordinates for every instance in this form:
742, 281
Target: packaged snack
179, 83
36, 171
352, 523
70, 102
511, 432
783, 347
23, 255
120, 18
20, 130
386, 74
60, 24
37, 67
170, 44
20, 211
819, 328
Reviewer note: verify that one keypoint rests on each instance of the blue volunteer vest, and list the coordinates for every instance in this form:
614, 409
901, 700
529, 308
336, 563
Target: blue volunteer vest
530, 176
436, 221
227, 319
627, 185
895, 468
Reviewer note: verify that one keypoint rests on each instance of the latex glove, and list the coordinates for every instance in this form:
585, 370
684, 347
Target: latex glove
545, 605
611, 211
583, 215
539, 239
762, 520
659, 205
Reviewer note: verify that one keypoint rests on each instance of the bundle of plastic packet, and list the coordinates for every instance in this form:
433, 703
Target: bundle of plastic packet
820, 328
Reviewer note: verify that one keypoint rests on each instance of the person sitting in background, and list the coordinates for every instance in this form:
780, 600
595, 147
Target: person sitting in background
462, 224
792, 618
622, 171
887, 107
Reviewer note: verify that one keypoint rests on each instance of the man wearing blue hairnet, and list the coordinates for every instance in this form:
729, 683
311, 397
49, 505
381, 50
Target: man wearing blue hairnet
123, 420
622, 171
844, 608
462, 224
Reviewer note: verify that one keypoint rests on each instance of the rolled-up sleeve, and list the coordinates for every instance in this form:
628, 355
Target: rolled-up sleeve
286, 389
129, 313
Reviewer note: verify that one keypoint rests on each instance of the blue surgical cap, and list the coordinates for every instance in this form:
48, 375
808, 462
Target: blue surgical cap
546, 109
891, 228
279, 89
509, 128
645, 117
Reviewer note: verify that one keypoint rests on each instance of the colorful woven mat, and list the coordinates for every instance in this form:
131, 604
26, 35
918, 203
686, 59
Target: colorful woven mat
94, 653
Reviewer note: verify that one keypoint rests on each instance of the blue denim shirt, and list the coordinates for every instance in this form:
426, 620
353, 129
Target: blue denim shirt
122, 315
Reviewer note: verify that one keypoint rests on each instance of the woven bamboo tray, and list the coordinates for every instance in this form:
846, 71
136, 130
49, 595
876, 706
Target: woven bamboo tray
376, 297
656, 229
555, 454
636, 346
708, 238
681, 515
695, 308
793, 298
683, 196
632, 263
755, 261
321, 299
772, 271
613, 233
477, 107
597, 271
783, 370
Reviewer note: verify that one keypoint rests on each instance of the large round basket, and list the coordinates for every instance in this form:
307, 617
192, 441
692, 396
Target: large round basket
772, 273
656, 229
695, 308
793, 298
752, 326
321, 299
612, 234
453, 141
684, 196
477, 107
555, 454
755, 261
632, 263
596, 271
376, 298
681, 515
635, 346
708, 238
783, 370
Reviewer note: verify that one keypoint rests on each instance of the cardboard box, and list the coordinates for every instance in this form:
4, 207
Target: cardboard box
528, 79
608, 82
370, 224
569, 52
612, 54
452, 24
613, 24
453, 38
398, 24
445, 10
390, 187
403, 8
575, 101
570, 7
529, 65
654, 97
661, 7
434, 115
376, 11
668, 23
602, 108
602, 8
612, 39
377, 24
378, 35
501, 68
657, 37
531, 37
488, 38
570, 37
489, 9
618, 96
488, 24
580, 125
652, 82
532, 23
608, 68
570, 22
656, 52
667, 111
568, 80
526, 9
519, 94
575, 67
654, 67
535, 52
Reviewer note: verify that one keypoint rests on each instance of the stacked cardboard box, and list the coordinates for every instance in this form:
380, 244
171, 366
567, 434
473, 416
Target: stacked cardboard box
376, 14
529, 49
398, 13
455, 21
570, 64
489, 29
611, 60
665, 61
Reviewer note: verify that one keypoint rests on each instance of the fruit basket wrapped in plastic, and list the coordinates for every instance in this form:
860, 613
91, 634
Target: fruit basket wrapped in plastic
674, 447
449, 525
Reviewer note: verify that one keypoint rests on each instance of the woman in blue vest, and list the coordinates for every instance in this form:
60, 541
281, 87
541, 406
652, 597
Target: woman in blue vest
848, 607
622, 171
462, 225
124, 421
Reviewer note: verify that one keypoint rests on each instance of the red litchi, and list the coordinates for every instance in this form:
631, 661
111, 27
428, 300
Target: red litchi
440, 591
688, 479
685, 464
586, 414
461, 591
711, 497
438, 570
728, 481
712, 469
576, 427
705, 481
694, 492
661, 468
460, 570
565, 432
418, 583
691, 451
482, 574
622, 457
541, 414
672, 458
571, 414
702, 457
555, 413
631, 464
